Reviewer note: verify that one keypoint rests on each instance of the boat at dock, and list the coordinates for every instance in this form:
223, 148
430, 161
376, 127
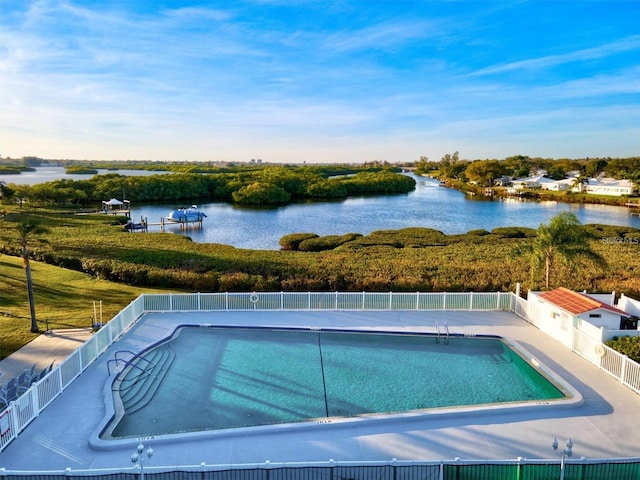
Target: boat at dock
186, 215
132, 226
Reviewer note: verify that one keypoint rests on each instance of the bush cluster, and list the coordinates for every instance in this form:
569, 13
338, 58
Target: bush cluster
629, 346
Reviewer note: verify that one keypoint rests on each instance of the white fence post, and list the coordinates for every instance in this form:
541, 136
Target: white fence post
13, 411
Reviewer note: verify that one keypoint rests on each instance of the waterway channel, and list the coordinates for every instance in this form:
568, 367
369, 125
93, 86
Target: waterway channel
429, 205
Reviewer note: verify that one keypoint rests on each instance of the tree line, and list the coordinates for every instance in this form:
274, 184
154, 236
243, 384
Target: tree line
269, 185
484, 172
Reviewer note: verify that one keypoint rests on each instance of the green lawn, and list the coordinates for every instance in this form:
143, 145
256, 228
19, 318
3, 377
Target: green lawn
64, 298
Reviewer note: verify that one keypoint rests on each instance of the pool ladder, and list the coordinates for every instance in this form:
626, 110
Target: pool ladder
445, 332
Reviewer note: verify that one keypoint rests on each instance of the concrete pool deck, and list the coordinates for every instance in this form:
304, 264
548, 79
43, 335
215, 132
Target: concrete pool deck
606, 425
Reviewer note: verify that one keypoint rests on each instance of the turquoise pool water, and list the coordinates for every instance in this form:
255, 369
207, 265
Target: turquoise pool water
223, 378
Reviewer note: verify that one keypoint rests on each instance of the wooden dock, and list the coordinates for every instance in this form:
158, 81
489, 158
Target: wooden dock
143, 225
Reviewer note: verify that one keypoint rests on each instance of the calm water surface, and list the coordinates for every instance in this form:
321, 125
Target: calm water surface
429, 206
51, 173
229, 378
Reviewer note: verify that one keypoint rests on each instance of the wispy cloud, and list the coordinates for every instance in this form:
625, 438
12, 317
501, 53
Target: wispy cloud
627, 44
382, 35
367, 79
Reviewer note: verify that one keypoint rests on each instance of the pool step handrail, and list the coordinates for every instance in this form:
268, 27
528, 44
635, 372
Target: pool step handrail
116, 360
139, 393
437, 332
446, 329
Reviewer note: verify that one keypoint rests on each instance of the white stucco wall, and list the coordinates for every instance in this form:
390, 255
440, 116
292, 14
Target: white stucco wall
629, 305
602, 317
551, 319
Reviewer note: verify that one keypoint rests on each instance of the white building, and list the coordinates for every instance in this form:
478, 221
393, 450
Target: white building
535, 181
600, 185
558, 185
558, 311
608, 186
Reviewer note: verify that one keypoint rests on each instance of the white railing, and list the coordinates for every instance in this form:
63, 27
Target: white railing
607, 359
327, 301
15, 418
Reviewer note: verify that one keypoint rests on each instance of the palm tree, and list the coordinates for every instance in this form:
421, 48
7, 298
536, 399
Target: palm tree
26, 228
578, 183
564, 239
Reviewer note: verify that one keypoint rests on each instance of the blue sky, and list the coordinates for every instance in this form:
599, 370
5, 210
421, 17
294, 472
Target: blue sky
319, 81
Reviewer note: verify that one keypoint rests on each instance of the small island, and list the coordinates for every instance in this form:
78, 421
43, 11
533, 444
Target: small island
81, 170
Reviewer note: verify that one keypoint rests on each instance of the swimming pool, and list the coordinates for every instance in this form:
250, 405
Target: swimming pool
221, 378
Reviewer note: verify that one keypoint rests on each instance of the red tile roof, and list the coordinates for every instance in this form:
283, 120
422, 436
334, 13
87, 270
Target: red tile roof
574, 302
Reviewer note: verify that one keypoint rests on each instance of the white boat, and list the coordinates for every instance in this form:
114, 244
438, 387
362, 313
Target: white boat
185, 215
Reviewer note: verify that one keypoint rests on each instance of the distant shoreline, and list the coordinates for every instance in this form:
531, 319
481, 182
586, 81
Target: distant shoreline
478, 193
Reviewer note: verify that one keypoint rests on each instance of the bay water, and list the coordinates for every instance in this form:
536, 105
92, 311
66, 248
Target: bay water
429, 206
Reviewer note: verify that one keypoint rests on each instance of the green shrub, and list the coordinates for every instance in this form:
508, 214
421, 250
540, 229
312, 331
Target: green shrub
238, 282
478, 232
292, 242
378, 182
611, 231
259, 193
413, 259
328, 242
629, 346
326, 189
413, 237
514, 232
81, 170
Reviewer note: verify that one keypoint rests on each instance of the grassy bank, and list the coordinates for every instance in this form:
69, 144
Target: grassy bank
64, 299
